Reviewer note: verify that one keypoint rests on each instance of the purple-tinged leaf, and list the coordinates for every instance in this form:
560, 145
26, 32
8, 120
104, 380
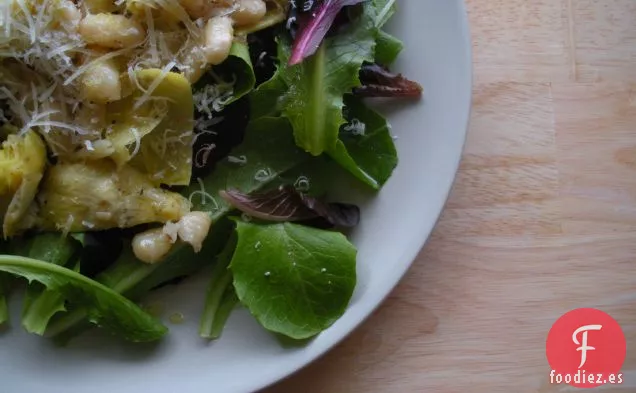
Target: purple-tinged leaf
314, 31
280, 205
380, 82
338, 214
286, 204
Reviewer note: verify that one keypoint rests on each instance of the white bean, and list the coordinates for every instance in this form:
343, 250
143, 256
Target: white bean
68, 13
151, 246
204, 8
111, 30
219, 35
194, 228
97, 6
249, 12
195, 8
101, 83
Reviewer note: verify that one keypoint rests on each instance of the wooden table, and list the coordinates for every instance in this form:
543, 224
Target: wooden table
542, 218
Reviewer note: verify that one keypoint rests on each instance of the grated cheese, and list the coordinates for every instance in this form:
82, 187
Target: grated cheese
203, 195
135, 133
153, 86
151, 36
263, 175
174, 8
202, 125
356, 127
86, 66
213, 98
203, 155
242, 160
302, 184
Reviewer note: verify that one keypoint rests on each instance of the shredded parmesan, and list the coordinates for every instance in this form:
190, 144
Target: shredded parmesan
135, 133
203, 155
263, 175
85, 67
242, 160
174, 8
153, 86
302, 184
203, 195
213, 98
152, 36
356, 127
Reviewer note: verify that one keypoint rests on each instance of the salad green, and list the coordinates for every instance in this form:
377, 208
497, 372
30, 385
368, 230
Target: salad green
263, 133
5, 282
296, 280
104, 306
40, 303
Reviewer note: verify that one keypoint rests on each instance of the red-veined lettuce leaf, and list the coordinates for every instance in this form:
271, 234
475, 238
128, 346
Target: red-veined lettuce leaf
313, 33
286, 204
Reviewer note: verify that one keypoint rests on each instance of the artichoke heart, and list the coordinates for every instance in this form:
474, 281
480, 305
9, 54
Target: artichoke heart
77, 197
165, 151
22, 164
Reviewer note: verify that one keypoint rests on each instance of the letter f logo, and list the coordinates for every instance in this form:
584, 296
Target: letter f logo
583, 344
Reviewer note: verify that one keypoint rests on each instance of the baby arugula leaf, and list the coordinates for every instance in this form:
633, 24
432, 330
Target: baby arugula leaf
211, 324
105, 307
365, 147
5, 282
228, 303
296, 280
40, 303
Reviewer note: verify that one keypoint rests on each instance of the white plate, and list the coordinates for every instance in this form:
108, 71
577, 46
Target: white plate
395, 225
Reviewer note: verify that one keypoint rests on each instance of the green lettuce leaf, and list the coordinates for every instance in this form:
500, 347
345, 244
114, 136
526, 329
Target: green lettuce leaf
369, 155
313, 98
295, 280
387, 49
265, 100
105, 307
385, 9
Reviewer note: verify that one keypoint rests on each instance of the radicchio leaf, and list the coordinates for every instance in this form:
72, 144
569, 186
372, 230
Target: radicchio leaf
380, 82
312, 34
286, 204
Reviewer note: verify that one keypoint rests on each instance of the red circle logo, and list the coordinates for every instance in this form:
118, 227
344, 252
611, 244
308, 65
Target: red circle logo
586, 348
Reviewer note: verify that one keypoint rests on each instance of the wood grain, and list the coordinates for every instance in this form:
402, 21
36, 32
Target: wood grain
542, 218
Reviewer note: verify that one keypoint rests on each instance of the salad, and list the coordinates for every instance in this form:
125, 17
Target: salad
147, 141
